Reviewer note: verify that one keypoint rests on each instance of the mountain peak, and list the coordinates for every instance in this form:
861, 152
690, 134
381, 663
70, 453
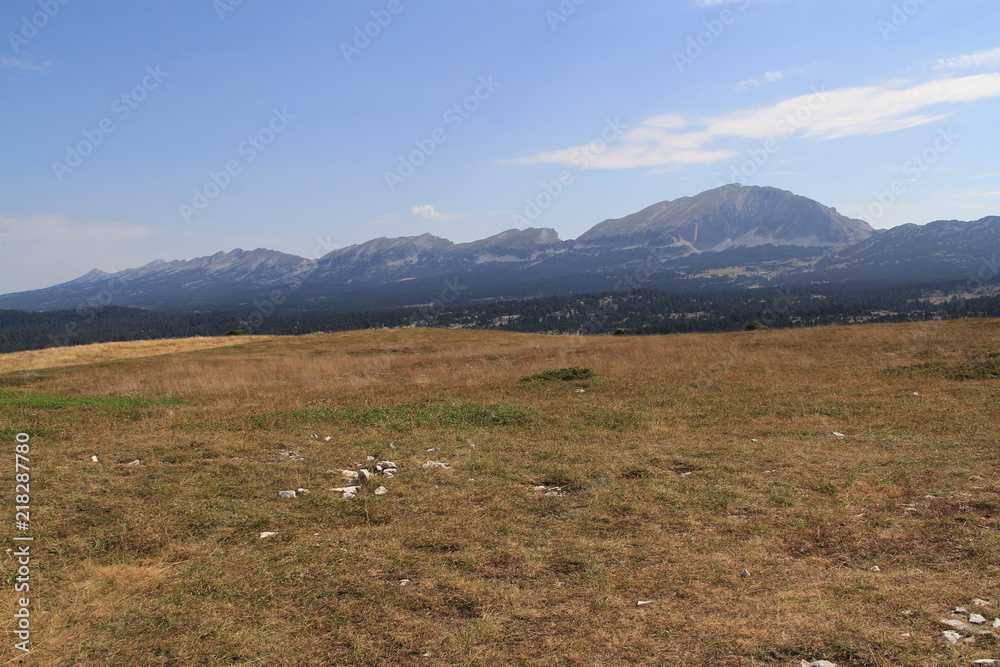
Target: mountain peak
729, 216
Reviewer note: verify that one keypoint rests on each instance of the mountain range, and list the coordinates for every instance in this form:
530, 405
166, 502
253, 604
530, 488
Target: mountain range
731, 236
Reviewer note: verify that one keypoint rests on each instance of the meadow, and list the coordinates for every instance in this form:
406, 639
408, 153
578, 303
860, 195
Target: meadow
850, 471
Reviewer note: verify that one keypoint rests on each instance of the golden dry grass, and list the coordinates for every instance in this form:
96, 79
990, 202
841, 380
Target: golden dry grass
685, 460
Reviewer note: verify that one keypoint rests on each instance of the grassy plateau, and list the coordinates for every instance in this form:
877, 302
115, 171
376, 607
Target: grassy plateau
851, 471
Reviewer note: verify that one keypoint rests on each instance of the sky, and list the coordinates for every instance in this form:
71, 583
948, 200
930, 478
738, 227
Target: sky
134, 131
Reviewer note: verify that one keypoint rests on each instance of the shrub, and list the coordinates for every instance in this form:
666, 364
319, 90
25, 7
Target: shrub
236, 332
564, 374
754, 325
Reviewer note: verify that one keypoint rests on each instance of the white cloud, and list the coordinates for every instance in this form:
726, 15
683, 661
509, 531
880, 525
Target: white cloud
768, 77
428, 212
25, 66
982, 58
665, 141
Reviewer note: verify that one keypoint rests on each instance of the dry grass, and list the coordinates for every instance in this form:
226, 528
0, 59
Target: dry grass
683, 461
54, 357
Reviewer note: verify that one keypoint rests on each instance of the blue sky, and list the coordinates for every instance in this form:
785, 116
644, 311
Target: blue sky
173, 129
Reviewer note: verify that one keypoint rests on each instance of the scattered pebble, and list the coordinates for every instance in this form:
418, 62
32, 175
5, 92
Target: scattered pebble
745, 573
996, 622
267, 533
434, 464
434, 449
984, 662
907, 612
403, 582
549, 490
381, 491
94, 458
580, 391
916, 393
286, 495
817, 663
137, 462
951, 636
979, 602
641, 603
350, 474
876, 568
960, 610
349, 495
302, 492
839, 435
977, 619
328, 438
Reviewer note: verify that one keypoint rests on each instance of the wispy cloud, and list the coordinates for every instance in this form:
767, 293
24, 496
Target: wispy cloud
671, 140
25, 66
428, 212
982, 58
766, 77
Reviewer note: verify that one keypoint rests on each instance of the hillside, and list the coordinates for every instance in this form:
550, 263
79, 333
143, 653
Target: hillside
600, 519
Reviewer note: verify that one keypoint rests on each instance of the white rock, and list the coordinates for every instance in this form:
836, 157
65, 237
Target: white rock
960, 610
951, 636
302, 492
580, 391
388, 473
386, 465
267, 534
369, 458
433, 449
916, 393
404, 582
642, 603
137, 462
976, 618
286, 495
817, 663
345, 489
381, 491
979, 602
985, 662
876, 568
94, 458
314, 435
996, 622
349, 474
348, 495
328, 438
839, 435
434, 464
364, 475
745, 573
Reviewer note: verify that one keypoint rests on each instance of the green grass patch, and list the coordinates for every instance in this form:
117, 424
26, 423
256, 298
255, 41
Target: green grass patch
42, 401
561, 374
405, 416
975, 369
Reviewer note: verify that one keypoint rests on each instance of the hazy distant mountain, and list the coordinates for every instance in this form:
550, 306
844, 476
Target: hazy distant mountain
728, 217
733, 236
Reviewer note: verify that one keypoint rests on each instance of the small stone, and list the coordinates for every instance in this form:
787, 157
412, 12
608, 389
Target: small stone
977, 619
580, 391
137, 462
381, 491
916, 393
818, 663
985, 662
302, 492
403, 582
328, 438
642, 603
907, 612
951, 636
388, 473
745, 573
386, 465
349, 474
434, 464
94, 458
369, 458
876, 568
996, 622
960, 610
839, 435
266, 534
979, 602
348, 495
753, 439
433, 449
286, 495
314, 435
364, 475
